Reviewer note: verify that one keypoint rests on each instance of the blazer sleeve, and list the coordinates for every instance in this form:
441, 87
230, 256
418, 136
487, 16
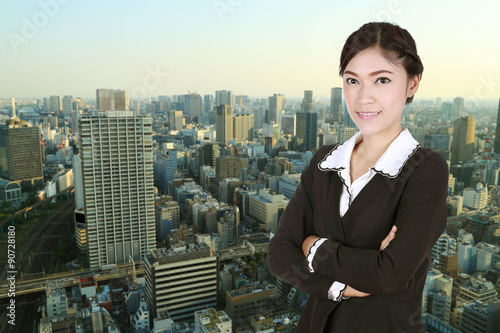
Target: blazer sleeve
420, 218
285, 257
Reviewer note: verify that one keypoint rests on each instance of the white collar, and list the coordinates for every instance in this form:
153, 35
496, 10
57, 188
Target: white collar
389, 164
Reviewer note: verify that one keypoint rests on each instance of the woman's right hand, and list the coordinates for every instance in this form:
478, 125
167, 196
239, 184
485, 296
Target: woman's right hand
351, 292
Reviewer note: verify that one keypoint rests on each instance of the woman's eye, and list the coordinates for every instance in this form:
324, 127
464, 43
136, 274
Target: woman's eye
350, 81
383, 80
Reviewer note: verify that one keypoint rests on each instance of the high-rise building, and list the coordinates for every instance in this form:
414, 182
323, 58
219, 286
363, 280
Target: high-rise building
117, 166
288, 124
55, 104
223, 97
229, 167
167, 217
175, 120
496, 148
121, 100
13, 106
165, 166
21, 153
446, 111
67, 105
458, 107
192, 105
78, 104
276, 105
224, 123
481, 317
306, 130
335, 105
181, 280
462, 148
243, 126
208, 101
307, 103
109, 100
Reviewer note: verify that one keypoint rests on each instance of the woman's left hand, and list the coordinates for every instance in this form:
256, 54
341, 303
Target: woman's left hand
308, 242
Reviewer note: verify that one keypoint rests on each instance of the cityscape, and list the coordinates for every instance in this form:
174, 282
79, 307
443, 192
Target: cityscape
148, 150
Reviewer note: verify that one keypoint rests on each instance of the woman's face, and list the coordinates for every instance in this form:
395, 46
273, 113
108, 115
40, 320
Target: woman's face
375, 92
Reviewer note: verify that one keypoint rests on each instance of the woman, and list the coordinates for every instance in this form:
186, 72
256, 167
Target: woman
358, 232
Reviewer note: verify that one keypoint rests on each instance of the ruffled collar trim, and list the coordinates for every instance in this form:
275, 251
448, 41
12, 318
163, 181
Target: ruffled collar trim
389, 164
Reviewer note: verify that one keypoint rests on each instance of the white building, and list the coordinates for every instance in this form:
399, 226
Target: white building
57, 303
437, 295
476, 198
140, 320
266, 209
116, 151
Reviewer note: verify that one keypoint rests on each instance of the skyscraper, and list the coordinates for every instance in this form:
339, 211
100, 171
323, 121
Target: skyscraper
497, 133
21, 153
209, 103
276, 105
307, 103
13, 106
67, 105
55, 104
458, 107
192, 105
175, 120
224, 123
223, 97
243, 126
462, 148
117, 166
110, 100
335, 105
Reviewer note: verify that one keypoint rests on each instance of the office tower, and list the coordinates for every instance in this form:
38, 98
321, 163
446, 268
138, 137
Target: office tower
67, 105
223, 97
446, 111
335, 105
46, 105
458, 108
276, 105
307, 103
306, 130
208, 153
176, 120
229, 167
224, 123
117, 165
243, 126
121, 100
13, 106
55, 104
21, 153
105, 99
192, 105
109, 100
258, 118
209, 320
288, 124
266, 209
165, 166
228, 226
181, 280
462, 148
208, 101
497, 133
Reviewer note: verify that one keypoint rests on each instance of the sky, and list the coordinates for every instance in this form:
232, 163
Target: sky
255, 48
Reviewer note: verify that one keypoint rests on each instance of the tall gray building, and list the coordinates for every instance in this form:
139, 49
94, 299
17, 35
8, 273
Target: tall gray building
192, 105
224, 123
223, 97
116, 153
276, 105
335, 105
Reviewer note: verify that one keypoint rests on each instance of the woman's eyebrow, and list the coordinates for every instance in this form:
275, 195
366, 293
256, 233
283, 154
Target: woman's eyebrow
372, 73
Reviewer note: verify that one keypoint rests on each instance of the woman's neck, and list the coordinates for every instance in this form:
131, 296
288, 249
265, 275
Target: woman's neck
374, 146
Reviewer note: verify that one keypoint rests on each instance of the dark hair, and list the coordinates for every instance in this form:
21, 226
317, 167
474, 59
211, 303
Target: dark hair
395, 43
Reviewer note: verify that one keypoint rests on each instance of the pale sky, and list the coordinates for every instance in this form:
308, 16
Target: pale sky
256, 48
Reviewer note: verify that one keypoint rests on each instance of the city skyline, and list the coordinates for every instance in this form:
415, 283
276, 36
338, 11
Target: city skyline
56, 47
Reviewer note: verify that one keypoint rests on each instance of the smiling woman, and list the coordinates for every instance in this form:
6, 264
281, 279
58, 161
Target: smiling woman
358, 231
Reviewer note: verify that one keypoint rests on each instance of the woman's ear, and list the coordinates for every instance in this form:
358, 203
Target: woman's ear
413, 85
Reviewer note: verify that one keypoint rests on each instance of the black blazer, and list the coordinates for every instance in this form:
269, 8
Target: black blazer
415, 201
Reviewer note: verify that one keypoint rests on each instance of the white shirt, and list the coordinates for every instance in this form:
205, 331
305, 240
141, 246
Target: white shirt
389, 165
